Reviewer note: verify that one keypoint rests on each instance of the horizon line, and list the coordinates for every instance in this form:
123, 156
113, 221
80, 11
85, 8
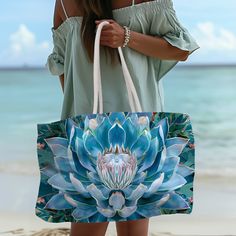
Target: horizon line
26, 67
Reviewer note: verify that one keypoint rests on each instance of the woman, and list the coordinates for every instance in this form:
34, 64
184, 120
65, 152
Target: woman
156, 43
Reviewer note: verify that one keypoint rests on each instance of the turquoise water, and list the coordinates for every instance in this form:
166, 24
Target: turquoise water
28, 97
208, 95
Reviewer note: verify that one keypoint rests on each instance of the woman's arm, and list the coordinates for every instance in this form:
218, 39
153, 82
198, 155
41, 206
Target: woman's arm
155, 46
112, 35
61, 77
57, 20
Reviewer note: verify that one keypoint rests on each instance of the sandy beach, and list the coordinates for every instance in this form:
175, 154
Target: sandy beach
214, 211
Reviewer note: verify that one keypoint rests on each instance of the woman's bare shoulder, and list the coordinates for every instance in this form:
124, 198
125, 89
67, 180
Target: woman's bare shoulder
57, 18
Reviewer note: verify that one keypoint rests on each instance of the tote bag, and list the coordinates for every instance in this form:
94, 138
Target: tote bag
115, 166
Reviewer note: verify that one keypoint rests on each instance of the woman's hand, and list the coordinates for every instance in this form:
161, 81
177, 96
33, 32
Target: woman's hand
112, 34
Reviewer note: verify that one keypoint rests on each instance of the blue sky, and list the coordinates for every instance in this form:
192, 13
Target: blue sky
26, 35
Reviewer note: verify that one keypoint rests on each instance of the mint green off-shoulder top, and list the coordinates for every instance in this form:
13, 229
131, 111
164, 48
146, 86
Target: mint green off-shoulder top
68, 57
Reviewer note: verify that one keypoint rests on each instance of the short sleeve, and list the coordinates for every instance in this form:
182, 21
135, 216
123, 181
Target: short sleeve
55, 60
166, 24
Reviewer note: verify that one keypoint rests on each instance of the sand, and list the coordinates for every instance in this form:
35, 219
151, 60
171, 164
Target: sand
214, 213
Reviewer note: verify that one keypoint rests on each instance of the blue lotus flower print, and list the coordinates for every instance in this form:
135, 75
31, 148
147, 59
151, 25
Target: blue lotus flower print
117, 166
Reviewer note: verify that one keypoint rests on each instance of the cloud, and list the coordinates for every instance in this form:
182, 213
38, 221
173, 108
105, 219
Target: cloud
23, 41
211, 37
24, 48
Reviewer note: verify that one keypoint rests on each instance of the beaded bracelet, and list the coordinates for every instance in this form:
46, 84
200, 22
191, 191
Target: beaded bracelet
127, 36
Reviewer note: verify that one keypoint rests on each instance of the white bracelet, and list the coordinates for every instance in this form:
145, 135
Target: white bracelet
127, 36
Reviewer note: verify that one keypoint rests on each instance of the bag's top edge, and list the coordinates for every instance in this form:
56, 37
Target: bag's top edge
92, 114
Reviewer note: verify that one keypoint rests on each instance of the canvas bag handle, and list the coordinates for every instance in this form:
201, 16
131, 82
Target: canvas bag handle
132, 94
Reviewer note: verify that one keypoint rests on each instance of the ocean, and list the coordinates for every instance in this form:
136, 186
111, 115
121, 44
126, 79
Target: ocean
207, 94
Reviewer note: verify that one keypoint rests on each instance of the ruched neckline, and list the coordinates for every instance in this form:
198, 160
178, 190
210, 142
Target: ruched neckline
119, 13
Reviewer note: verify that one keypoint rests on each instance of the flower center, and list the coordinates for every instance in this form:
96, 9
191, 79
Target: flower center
116, 169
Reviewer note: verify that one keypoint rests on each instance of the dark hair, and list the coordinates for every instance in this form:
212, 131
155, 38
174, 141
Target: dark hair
95, 10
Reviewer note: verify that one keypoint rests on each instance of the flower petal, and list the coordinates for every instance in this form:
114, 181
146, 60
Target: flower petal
153, 170
79, 186
57, 181
162, 159
127, 211
117, 116
116, 200
72, 131
116, 135
131, 133
91, 144
84, 211
81, 170
176, 202
58, 145
96, 194
48, 170
164, 128
63, 164
128, 190
142, 144
82, 153
108, 212
184, 170
136, 194
155, 133
139, 177
170, 166
70, 200
133, 117
176, 140
175, 182
98, 217
101, 133
150, 156
58, 202
143, 123
149, 180
154, 186
94, 177
75, 198
152, 209
175, 146
105, 190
